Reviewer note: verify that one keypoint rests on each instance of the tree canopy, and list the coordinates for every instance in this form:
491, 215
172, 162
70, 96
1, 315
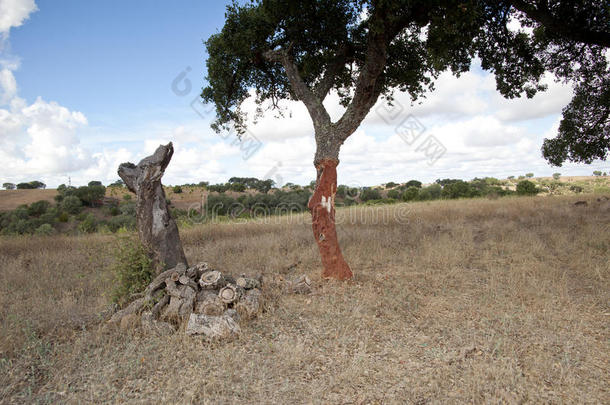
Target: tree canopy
281, 49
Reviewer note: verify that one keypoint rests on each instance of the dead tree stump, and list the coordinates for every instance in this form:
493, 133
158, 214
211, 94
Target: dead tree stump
156, 228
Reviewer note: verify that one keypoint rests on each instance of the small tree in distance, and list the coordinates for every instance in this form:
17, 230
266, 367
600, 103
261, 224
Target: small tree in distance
526, 187
9, 186
556, 176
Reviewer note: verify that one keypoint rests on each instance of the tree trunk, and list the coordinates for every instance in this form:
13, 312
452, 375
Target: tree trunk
156, 228
322, 207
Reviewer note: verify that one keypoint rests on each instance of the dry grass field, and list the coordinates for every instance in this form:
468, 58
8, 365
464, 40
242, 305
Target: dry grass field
503, 301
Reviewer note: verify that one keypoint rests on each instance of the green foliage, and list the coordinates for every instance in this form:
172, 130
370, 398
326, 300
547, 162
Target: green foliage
45, 229
597, 173
239, 187
529, 175
432, 192
63, 217
71, 204
129, 208
459, 189
88, 224
177, 189
9, 186
369, 194
126, 197
328, 41
31, 185
576, 189
411, 194
556, 176
413, 183
391, 184
394, 194
526, 187
133, 270
38, 208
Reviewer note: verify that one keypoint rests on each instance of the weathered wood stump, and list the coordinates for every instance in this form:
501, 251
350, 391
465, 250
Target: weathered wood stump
250, 304
229, 294
156, 228
211, 280
212, 327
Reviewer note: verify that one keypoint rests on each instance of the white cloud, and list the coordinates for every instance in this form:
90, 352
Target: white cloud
13, 13
8, 86
543, 104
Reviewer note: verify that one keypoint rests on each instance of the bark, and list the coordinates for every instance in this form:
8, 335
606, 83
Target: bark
248, 283
212, 327
322, 207
156, 228
301, 285
250, 304
229, 294
208, 303
212, 280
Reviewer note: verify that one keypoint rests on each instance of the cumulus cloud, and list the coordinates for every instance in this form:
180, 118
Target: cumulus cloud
13, 13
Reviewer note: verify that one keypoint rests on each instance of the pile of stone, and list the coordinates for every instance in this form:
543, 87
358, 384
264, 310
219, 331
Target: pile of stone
211, 303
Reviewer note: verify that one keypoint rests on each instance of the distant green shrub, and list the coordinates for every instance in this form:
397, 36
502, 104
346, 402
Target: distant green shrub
526, 187
44, 229
410, 194
177, 189
71, 204
38, 208
395, 194
432, 192
368, 194
132, 271
88, 224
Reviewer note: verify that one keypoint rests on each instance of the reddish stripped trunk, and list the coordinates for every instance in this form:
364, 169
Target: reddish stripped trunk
322, 207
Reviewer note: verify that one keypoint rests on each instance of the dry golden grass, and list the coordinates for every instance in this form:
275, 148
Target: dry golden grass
467, 301
11, 199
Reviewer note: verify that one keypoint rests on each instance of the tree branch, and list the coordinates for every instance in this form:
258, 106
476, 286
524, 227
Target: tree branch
314, 105
560, 27
328, 79
370, 81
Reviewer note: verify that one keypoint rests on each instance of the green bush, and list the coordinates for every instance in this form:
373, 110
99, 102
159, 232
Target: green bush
369, 194
526, 187
88, 225
410, 194
38, 208
44, 229
71, 204
132, 271
459, 189
395, 194
129, 208
63, 217
177, 189
413, 183
127, 222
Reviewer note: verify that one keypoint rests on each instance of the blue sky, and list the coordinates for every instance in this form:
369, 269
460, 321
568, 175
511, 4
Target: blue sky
86, 85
